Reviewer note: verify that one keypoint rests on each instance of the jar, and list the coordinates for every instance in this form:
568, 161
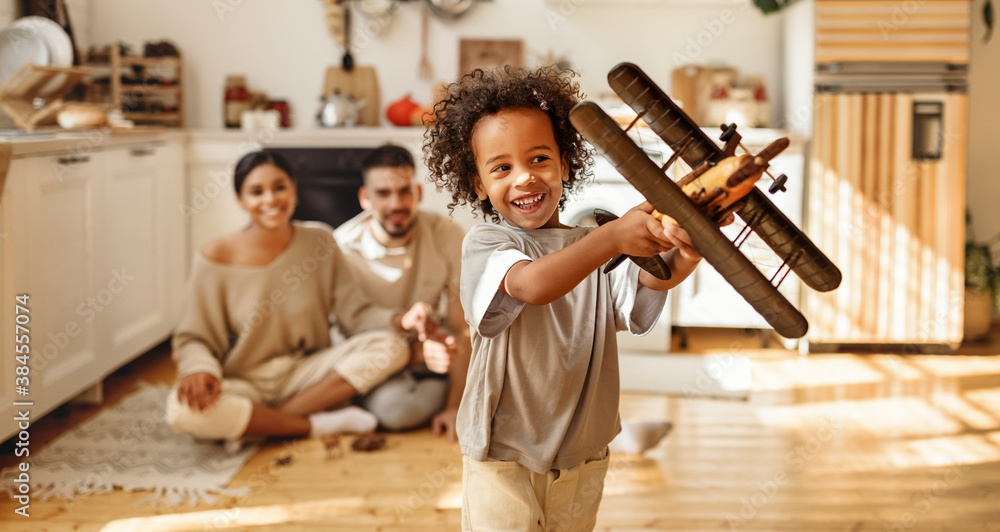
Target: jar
237, 100
284, 113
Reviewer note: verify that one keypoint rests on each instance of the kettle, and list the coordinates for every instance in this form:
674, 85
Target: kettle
338, 110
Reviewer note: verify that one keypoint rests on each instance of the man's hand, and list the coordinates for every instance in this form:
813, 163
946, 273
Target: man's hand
436, 353
199, 391
419, 319
444, 423
439, 352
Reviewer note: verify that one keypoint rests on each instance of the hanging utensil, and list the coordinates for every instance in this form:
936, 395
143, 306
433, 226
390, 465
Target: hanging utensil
348, 61
449, 10
988, 20
424, 70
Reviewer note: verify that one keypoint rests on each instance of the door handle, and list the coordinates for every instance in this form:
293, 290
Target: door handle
73, 159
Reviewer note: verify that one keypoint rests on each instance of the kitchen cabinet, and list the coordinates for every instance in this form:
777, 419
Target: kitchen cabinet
889, 211
142, 243
95, 239
880, 91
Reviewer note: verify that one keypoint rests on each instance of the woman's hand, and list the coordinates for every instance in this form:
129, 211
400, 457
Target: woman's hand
199, 391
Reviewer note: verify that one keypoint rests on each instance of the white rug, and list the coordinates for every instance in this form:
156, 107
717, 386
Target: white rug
130, 447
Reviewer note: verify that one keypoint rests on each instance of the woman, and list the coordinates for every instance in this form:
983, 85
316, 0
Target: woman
253, 349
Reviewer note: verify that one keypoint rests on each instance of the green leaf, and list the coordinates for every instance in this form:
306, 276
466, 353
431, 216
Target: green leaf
979, 271
996, 291
770, 6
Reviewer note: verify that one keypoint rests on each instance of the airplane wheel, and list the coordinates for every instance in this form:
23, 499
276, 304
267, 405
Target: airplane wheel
727, 132
778, 184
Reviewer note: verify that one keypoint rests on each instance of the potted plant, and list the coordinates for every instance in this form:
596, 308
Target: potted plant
982, 285
770, 6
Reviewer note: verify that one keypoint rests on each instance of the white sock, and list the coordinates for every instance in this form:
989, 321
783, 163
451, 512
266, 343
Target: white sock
236, 445
350, 419
638, 437
233, 446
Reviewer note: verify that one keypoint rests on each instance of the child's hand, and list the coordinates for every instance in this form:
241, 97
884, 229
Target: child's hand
639, 234
680, 239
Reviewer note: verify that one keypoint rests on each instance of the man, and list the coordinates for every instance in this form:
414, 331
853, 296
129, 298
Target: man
401, 255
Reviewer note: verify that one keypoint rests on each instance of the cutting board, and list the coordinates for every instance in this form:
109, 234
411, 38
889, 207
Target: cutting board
361, 83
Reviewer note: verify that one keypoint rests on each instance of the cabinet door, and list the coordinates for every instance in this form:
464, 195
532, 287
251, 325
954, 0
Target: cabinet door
211, 209
141, 194
48, 253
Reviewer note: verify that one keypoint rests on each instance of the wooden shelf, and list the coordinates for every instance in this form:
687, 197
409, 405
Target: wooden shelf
120, 92
151, 89
149, 61
160, 117
130, 60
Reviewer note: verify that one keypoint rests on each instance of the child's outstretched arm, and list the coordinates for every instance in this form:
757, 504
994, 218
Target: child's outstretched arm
548, 278
681, 260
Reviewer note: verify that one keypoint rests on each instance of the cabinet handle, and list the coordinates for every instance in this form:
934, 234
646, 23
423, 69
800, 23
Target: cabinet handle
141, 152
73, 160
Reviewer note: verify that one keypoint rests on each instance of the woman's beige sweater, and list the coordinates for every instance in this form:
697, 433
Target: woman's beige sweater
238, 317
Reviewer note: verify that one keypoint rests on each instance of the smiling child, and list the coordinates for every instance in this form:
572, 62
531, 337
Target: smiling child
541, 401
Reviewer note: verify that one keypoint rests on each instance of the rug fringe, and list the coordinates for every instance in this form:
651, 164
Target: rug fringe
64, 490
128, 447
172, 496
175, 496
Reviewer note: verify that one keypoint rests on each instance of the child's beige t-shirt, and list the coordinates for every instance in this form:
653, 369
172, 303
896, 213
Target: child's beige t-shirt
543, 383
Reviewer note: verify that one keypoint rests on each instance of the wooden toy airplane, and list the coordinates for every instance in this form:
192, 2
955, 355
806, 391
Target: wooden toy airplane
720, 183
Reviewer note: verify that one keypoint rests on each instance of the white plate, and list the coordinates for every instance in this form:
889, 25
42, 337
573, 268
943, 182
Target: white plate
58, 42
19, 47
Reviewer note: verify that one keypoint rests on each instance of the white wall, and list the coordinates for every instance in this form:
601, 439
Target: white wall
283, 47
984, 118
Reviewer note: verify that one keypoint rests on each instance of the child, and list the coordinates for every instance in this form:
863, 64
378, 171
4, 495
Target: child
541, 402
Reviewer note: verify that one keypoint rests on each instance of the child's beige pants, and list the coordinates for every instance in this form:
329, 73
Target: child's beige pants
508, 496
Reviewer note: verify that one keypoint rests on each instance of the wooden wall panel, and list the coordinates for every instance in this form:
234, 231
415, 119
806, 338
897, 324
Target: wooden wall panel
892, 30
894, 225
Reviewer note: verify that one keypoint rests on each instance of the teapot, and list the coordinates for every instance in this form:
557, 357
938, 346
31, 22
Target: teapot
338, 110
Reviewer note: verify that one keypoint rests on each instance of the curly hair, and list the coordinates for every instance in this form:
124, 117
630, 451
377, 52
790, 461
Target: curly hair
448, 141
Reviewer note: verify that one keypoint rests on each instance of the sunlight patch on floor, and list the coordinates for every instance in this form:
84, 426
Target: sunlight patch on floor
805, 372
242, 516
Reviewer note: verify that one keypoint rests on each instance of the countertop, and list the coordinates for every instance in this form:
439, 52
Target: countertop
76, 142
82, 142
312, 135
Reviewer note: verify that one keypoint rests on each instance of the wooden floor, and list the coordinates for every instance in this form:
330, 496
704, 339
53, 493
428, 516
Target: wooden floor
826, 442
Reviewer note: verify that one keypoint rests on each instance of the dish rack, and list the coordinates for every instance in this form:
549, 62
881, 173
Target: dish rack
19, 95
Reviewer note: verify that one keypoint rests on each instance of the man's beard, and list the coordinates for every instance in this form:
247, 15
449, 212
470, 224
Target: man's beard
398, 233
